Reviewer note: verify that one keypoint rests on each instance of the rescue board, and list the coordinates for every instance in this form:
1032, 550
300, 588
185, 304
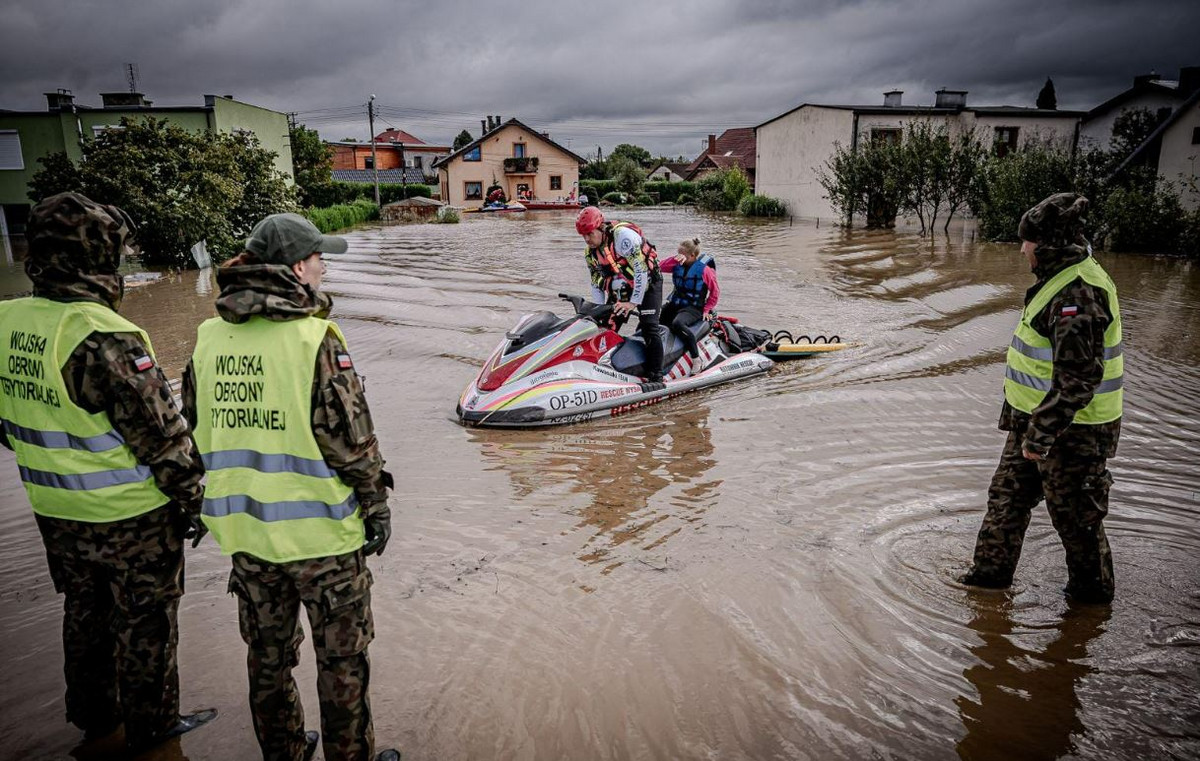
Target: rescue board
785, 352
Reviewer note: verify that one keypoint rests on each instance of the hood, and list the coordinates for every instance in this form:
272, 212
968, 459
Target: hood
1051, 261
69, 284
269, 290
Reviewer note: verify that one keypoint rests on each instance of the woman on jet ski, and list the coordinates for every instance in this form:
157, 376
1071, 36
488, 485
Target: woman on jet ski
624, 270
696, 291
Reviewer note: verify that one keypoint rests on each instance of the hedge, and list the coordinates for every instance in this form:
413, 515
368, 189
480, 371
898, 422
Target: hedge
335, 193
340, 216
670, 191
761, 206
597, 189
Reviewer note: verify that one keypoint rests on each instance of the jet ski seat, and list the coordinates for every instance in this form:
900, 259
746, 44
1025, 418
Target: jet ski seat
631, 354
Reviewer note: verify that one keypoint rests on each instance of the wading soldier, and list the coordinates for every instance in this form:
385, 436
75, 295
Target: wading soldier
1062, 409
296, 489
110, 468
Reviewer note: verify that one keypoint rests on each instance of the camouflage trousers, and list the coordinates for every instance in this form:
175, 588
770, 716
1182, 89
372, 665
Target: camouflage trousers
336, 592
1075, 482
122, 582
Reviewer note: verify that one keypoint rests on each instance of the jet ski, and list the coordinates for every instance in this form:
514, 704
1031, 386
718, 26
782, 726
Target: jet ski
550, 370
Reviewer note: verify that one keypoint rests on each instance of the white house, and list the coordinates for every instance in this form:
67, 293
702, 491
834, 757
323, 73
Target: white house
1159, 96
793, 148
1173, 150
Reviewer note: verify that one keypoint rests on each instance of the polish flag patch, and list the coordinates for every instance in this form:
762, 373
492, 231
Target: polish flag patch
1069, 311
143, 363
344, 362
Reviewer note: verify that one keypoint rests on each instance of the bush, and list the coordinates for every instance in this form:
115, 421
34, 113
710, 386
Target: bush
762, 206
722, 190
1144, 221
645, 200
615, 197
447, 215
685, 198
1014, 183
339, 217
670, 191
597, 189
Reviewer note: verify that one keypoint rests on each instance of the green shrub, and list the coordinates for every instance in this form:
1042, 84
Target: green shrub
685, 198
1138, 220
1015, 183
597, 189
615, 197
762, 206
670, 191
447, 215
645, 200
390, 193
340, 216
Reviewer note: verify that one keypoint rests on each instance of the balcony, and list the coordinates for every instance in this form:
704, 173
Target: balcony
523, 165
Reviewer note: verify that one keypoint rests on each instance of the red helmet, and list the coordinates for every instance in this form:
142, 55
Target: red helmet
589, 219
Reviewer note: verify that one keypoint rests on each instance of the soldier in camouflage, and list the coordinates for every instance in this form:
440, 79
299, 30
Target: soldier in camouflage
278, 280
1049, 454
122, 579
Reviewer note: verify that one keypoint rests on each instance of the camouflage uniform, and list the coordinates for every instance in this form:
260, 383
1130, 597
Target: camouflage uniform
1072, 476
335, 590
122, 580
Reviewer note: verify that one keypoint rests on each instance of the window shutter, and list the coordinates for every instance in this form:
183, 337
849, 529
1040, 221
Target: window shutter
10, 150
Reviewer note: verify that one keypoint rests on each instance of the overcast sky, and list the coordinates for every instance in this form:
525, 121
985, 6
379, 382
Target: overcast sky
659, 74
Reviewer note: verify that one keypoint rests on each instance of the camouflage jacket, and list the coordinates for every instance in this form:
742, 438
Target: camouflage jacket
1078, 345
341, 421
101, 376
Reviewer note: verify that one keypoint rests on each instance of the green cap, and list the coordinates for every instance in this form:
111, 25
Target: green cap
288, 238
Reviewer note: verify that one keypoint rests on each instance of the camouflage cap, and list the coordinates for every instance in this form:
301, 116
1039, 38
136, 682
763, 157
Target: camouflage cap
70, 231
288, 238
1056, 221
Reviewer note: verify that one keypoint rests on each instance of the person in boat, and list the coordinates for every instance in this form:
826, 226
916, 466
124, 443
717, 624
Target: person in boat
496, 195
696, 291
624, 269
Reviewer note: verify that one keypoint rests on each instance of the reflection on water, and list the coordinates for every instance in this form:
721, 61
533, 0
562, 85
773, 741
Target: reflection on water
760, 570
1027, 705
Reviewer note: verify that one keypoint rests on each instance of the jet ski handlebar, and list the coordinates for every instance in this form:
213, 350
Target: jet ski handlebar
598, 313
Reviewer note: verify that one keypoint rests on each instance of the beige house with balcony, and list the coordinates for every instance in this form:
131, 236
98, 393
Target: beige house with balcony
793, 148
521, 160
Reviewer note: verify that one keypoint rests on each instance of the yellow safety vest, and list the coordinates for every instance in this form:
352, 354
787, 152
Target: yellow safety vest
75, 465
269, 491
1027, 378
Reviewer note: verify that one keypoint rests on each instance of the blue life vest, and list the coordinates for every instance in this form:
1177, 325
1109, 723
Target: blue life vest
690, 290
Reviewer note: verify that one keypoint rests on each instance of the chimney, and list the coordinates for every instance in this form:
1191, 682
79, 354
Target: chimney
950, 99
1145, 79
122, 99
62, 100
1189, 80
546, 135
712, 144
891, 98
483, 130
497, 121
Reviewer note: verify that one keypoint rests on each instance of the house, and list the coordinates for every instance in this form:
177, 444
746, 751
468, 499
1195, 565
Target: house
668, 171
26, 136
793, 148
1173, 151
512, 155
393, 148
1159, 96
735, 147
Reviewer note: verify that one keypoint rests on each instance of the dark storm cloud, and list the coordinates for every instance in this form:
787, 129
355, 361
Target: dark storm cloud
659, 74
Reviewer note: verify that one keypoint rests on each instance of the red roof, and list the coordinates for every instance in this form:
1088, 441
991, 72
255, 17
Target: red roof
734, 146
399, 135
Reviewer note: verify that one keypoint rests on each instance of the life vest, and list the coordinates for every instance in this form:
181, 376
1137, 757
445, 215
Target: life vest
690, 289
73, 463
615, 271
270, 492
1030, 366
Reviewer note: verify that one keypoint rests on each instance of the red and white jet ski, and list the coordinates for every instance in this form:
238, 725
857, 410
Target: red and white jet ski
551, 370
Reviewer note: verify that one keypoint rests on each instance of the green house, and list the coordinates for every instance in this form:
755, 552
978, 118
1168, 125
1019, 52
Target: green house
26, 136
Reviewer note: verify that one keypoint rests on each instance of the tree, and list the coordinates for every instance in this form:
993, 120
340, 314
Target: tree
722, 190
626, 173
595, 170
1130, 129
639, 155
1046, 98
180, 187
312, 162
57, 175
464, 138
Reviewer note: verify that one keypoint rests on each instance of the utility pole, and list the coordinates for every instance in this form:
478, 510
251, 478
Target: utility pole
374, 158
403, 172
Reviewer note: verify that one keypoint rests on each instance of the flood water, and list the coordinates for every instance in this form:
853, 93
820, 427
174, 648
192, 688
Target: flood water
758, 571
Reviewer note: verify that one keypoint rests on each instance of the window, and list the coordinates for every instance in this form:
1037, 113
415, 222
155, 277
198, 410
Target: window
886, 136
1006, 141
473, 191
368, 162
10, 150
556, 182
472, 155
518, 150
1195, 135
416, 162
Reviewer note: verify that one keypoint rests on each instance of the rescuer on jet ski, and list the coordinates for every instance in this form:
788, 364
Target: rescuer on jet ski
624, 270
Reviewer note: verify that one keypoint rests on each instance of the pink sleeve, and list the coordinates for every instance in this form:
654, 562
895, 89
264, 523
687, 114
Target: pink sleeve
668, 264
714, 290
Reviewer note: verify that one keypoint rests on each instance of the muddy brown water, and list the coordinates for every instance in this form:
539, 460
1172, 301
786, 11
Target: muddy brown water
763, 570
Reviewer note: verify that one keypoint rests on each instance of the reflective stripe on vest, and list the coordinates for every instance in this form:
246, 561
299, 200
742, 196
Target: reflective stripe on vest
614, 266
269, 491
74, 465
690, 289
1029, 374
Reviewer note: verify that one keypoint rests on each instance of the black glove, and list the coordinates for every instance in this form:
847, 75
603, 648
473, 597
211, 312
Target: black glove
193, 528
378, 530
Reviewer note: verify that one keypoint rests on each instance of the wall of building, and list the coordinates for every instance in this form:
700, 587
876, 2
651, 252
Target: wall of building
1057, 130
1179, 159
1097, 132
793, 149
40, 135
271, 127
493, 150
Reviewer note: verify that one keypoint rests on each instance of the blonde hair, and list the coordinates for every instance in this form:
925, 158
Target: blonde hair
691, 247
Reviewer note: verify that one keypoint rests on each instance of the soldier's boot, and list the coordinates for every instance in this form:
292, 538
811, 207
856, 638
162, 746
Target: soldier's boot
186, 724
311, 740
985, 580
391, 754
